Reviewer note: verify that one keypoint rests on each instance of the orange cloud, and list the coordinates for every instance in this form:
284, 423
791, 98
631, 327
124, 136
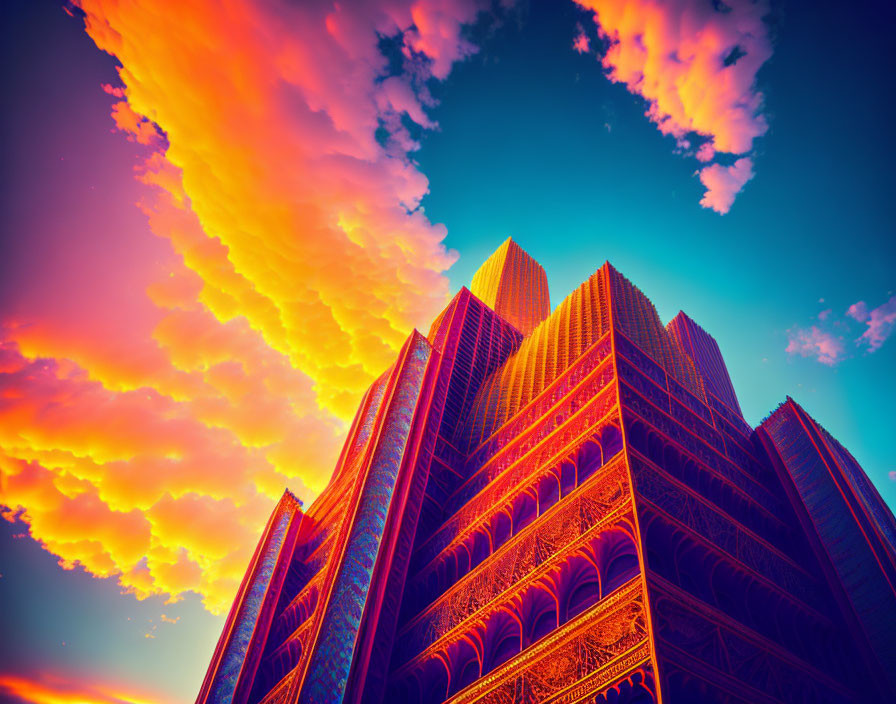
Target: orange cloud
166, 495
146, 437
695, 63
52, 689
305, 224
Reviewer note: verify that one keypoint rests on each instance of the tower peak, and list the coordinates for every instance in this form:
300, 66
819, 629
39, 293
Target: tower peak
514, 285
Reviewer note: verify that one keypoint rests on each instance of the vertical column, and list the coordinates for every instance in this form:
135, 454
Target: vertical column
233, 666
362, 563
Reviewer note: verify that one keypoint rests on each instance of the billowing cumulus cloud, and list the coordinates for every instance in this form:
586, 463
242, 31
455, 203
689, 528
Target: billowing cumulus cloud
147, 436
695, 63
166, 494
286, 136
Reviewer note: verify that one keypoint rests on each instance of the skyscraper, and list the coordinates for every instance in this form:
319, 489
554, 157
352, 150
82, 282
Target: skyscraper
568, 507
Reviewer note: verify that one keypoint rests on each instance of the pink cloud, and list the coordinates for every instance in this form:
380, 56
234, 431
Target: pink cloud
723, 183
815, 343
858, 311
695, 64
824, 314
115, 91
581, 43
705, 152
880, 322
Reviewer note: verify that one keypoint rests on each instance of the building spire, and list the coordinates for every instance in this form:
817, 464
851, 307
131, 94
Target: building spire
515, 286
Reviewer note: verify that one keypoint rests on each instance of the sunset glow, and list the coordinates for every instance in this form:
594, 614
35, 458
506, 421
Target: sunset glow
222, 221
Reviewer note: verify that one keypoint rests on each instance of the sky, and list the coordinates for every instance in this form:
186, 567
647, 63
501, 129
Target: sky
219, 225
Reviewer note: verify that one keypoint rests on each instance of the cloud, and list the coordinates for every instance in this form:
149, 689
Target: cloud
307, 214
815, 343
723, 183
828, 348
880, 322
153, 410
858, 311
166, 495
581, 43
695, 63
705, 152
53, 689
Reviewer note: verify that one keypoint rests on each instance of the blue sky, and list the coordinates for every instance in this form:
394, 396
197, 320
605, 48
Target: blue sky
523, 150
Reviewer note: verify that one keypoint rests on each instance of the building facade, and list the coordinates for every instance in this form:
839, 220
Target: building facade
568, 507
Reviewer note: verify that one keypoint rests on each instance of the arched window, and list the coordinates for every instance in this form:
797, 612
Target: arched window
500, 529
480, 548
466, 667
567, 477
523, 511
461, 555
538, 613
503, 640
548, 492
660, 547
611, 441
585, 594
672, 461
434, 682
655, 448
588, 460
506, 649
620, 563
636, 434
694, 565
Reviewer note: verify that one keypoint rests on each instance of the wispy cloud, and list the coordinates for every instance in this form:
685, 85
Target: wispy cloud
815, 343
581, 43
825, 342
695, 63
880, 322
